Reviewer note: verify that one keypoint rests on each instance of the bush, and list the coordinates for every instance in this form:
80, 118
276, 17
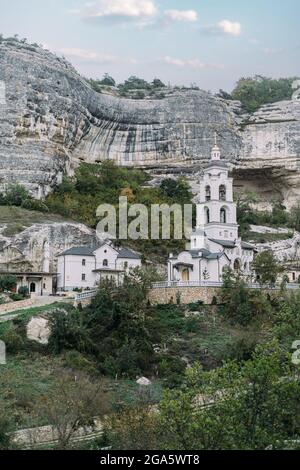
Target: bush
77, 361
16, 195
7, 282
24, 291
256, 91
16, 297
13, 340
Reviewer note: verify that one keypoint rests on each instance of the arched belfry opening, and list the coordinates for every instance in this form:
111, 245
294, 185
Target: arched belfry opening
207, 215
222, 193
223, 216
207, 193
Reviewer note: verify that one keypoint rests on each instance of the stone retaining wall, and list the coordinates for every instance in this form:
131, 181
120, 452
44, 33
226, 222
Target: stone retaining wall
13, 306
187, 295
166, 295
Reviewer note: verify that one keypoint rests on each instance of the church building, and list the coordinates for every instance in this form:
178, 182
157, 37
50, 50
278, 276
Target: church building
215, 243
84, 268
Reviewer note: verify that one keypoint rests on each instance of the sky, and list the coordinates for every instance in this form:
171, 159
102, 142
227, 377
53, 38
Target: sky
210, 43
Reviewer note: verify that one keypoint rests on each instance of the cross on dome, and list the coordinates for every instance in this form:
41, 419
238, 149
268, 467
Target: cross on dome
216, 153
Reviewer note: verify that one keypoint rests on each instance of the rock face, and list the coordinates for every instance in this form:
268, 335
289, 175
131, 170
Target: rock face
52, 119
25, 251
38, 329
285, 250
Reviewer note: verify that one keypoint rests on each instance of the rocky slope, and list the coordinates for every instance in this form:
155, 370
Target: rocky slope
22, 245
52, 119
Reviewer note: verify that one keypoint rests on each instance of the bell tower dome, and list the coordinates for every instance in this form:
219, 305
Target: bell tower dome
216, 152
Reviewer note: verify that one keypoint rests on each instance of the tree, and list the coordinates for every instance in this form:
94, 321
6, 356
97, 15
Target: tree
68, 331
179, 188
7, 282
235, 406
107, 80
133, 428
239, 303
72, 403
135, 83
157, 83
295, 217
266, 268
16, 195
255, 91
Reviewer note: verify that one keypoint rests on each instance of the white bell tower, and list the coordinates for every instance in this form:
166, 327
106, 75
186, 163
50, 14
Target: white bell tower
216, 211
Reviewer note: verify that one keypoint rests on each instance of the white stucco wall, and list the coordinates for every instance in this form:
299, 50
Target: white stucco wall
108, 253
70, 270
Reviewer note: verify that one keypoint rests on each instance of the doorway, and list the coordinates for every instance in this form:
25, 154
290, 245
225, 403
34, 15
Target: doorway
32, 288
185, 275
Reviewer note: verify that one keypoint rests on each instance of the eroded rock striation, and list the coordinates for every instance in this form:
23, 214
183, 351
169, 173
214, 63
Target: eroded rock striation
25, 251
52, 119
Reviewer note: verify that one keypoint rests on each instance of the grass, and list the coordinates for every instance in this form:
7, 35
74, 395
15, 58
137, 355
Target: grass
29, 312
23, 379
17, 219
27, 376
268, 237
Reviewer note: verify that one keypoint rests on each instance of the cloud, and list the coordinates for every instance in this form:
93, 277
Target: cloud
92, 56
273, 51
230, 27
224, 27
193, 63
118, 10
181, 15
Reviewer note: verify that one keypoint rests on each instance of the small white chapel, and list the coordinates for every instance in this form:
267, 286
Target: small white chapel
215, 243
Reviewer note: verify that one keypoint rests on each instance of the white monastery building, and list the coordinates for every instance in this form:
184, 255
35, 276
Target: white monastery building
215, 242
84, 268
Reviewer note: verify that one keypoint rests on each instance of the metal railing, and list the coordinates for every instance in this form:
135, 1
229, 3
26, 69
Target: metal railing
170, 284
89, 294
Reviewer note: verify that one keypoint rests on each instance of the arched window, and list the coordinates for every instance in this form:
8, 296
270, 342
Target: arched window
222, 193
32, 288
207, 193
207, 215
105, 263
223, 216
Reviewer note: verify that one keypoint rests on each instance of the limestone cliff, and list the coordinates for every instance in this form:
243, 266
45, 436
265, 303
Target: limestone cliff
22, 245
52, 119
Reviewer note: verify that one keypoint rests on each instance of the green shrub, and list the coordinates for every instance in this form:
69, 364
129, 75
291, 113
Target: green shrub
77, 361
23, 290
7, 282
13, 340
16, 297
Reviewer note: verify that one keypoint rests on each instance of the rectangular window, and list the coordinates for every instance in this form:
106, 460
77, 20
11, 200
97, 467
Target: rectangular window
83, 277
44, 286
83, 262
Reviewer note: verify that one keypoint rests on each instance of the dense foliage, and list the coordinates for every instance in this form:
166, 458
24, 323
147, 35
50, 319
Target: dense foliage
7, 282
134, 87
257, 91
79, 197
252, 398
